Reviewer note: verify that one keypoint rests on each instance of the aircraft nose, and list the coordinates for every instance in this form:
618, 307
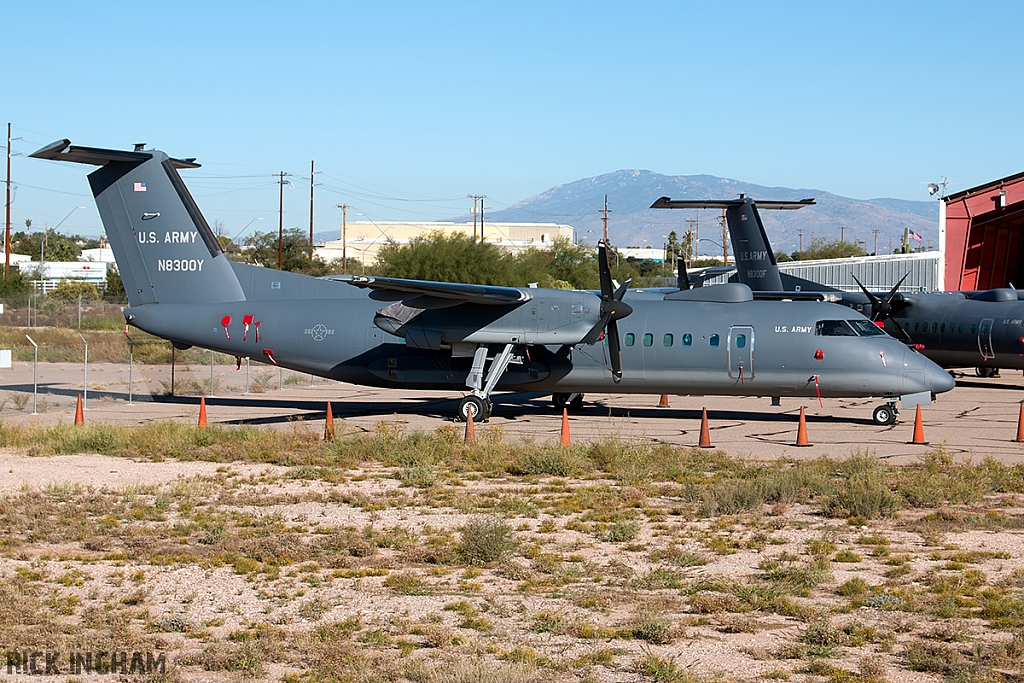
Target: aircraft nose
939, 379
921, 374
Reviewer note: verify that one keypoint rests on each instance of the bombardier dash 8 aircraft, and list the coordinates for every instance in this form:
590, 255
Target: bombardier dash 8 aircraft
983, 330
412, 334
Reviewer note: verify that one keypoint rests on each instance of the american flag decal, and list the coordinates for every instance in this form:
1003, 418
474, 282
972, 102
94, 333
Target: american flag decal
140, 187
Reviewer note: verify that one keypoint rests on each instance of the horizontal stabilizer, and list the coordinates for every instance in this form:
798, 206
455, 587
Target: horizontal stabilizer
63, 150
666, 203
451, 293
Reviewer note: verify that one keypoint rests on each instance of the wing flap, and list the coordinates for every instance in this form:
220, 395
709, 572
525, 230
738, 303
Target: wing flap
428, 294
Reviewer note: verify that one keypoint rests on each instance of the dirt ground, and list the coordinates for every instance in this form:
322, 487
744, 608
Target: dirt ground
977, 419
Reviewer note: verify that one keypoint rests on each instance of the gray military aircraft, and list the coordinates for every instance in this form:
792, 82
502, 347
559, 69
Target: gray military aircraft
436, 335
983, 329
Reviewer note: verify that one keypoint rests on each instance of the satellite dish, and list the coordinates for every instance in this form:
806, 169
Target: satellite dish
932, 188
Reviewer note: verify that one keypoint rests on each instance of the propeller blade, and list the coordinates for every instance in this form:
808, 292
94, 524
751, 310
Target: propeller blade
879, 309
683, 281
621, 291
595, 332
604, 271
614, 351
892, 292
874, 299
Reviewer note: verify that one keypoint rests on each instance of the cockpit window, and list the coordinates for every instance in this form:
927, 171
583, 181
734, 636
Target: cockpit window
866, 328
834, 328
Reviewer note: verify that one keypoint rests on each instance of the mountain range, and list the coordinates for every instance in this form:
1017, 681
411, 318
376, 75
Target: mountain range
632, 223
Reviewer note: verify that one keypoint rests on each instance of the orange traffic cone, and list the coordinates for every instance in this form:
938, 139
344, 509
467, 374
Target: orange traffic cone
329, 424
79, 416
1020, 424
801, 432
918, 428
202, 411
470, 430
663, 403
705, 433
566, 441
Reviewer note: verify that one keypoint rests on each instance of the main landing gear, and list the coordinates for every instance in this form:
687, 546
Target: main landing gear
479, 399
570, 401
986, 372
886, 414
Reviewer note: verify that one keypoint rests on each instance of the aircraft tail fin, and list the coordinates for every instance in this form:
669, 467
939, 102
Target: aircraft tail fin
755, 261
164, 248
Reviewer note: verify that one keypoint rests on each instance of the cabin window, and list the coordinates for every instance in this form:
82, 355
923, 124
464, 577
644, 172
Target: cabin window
648, 339
630, 339
960, 328
866, 328
741, 341
713, 340
942, 327
916, 325
935, 328
834, 328
669, 340
687, 339
973, 328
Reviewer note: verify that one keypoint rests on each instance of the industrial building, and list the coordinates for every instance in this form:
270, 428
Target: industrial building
878, 273
363, 239
981, 235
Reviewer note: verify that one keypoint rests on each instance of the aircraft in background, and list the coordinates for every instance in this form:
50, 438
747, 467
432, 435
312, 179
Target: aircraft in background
409, 334
983, 330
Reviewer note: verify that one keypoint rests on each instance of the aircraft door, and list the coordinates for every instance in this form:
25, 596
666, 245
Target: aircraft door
741, 352
985, 339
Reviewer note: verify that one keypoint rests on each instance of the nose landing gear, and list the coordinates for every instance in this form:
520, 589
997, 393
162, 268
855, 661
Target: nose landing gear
885, 414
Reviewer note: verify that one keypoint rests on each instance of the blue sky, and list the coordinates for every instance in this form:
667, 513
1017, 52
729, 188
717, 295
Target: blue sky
407, 107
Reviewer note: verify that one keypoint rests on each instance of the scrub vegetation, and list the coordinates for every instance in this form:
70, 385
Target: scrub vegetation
394, 556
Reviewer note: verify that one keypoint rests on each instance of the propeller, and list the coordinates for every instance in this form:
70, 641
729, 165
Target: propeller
882, 308
612, 309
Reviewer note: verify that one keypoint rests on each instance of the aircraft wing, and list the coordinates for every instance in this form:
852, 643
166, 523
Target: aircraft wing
666, 203
427, 294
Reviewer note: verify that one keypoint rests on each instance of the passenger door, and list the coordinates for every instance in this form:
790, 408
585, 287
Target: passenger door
740, 347
985, 339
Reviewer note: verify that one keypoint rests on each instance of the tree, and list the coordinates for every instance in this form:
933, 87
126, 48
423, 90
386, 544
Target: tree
114, 291
453, 257
295, 248
68, 291
828, 249
15, 287
563, 265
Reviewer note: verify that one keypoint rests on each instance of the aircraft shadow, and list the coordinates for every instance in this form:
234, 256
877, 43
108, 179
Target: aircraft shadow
509, 406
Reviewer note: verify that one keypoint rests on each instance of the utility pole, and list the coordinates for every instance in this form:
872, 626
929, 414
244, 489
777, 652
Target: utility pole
800, 231
605, 219
689, 232
478, 198
280, 218
842, 234
876, 231
482, 198
7, 231
312, 174
344, 237
725, 240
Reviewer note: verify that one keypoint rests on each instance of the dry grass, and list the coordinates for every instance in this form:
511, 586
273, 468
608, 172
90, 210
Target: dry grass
393, 556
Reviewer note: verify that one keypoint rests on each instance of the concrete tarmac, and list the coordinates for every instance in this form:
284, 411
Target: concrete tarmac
977, 419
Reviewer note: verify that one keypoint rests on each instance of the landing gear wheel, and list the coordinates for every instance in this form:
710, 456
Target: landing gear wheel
986, 372
570, 401
885, 415
481, 408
